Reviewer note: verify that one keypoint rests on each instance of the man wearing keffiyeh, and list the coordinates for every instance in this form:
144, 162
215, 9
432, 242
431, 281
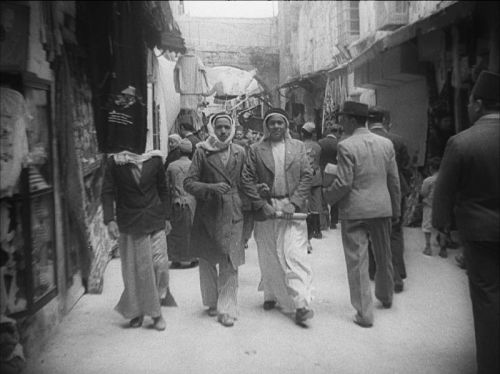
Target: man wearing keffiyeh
134, 197
277, 177
216, 239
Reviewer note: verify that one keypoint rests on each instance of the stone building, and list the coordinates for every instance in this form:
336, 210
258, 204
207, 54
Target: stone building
419, 59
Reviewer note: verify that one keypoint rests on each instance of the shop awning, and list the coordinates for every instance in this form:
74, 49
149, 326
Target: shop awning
438, 20
305, 81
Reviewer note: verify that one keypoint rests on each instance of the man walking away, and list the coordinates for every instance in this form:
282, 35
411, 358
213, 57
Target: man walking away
469, 185
367, 189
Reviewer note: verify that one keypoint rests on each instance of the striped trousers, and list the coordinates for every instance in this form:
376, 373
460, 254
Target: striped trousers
219, 287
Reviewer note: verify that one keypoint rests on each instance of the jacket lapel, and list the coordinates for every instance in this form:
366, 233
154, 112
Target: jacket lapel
267, 155
233, 160
289, 155
215, 161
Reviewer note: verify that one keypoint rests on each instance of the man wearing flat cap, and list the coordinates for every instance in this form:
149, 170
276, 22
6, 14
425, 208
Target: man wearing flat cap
367, 189
181, 206
277, 178
379, 122
468, 186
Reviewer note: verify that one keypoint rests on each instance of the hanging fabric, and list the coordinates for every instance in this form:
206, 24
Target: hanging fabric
13, 139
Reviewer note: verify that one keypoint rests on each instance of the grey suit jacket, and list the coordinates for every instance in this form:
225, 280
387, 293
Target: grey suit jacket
367, 181
469, 182
259, 168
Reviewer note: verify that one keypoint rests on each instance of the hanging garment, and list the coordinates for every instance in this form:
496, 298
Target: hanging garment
13, 139
187, 116
190, 76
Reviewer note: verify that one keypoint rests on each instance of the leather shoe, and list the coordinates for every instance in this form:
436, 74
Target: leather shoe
398, 287
387, 305
212, 312
303, 314
225, 320
159, 323
269, 304
358, 320
136, 322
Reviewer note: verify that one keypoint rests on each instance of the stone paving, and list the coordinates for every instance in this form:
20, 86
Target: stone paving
428, 330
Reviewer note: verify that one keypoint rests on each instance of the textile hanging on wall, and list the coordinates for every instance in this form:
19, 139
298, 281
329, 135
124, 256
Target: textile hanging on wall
71, 165
190, 81
13, 139
335, 95
114, 34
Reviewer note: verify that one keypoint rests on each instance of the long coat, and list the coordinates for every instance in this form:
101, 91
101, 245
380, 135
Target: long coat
468, 184
367, 181
259, 168
218, 220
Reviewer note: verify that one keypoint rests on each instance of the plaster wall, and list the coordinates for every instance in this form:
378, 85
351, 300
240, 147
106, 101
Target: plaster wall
408, 106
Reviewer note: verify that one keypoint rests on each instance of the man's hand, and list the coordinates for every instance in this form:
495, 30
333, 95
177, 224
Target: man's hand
288, 211
168, 227
113, 231
220, 188
394, 221
269, 211
263, 190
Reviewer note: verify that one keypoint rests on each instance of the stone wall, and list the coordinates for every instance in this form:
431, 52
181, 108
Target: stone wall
244, 43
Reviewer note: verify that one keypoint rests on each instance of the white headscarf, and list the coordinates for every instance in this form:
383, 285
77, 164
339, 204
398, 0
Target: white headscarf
212, 143
276, 112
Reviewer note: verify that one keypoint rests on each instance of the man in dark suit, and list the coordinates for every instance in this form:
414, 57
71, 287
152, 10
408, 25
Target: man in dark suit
379, 122
367, 189
134, 200
329, 156
469, 186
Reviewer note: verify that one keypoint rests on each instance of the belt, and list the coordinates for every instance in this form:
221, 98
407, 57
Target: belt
280, 197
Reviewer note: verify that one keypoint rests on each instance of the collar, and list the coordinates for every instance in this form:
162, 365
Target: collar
331, 136
490, 116
361, 130
188, 134
378, 126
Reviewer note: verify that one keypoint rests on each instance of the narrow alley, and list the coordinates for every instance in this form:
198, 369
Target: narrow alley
428, 330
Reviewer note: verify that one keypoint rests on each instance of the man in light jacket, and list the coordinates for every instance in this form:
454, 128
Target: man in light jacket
368, 192
277, 178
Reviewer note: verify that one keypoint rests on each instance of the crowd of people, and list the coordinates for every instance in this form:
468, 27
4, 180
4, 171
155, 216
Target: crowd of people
211, 194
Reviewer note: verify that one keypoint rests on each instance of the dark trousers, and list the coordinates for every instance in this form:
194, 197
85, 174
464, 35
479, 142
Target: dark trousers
483, 264
397, 251
334, 214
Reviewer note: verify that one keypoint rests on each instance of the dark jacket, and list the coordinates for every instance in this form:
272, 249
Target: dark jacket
194, 140
140, 208
469, 182
218, 220
328, 151
259, 168
402, 158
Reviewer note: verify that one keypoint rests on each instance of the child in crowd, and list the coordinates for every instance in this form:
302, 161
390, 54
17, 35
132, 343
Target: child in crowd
427, 193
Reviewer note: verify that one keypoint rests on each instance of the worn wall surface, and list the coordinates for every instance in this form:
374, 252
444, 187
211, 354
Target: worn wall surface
408, 106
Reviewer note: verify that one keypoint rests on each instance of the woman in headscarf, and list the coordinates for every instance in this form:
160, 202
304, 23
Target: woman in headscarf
174, 153
214, 180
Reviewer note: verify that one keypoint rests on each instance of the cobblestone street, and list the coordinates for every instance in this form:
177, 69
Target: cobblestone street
428, 330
